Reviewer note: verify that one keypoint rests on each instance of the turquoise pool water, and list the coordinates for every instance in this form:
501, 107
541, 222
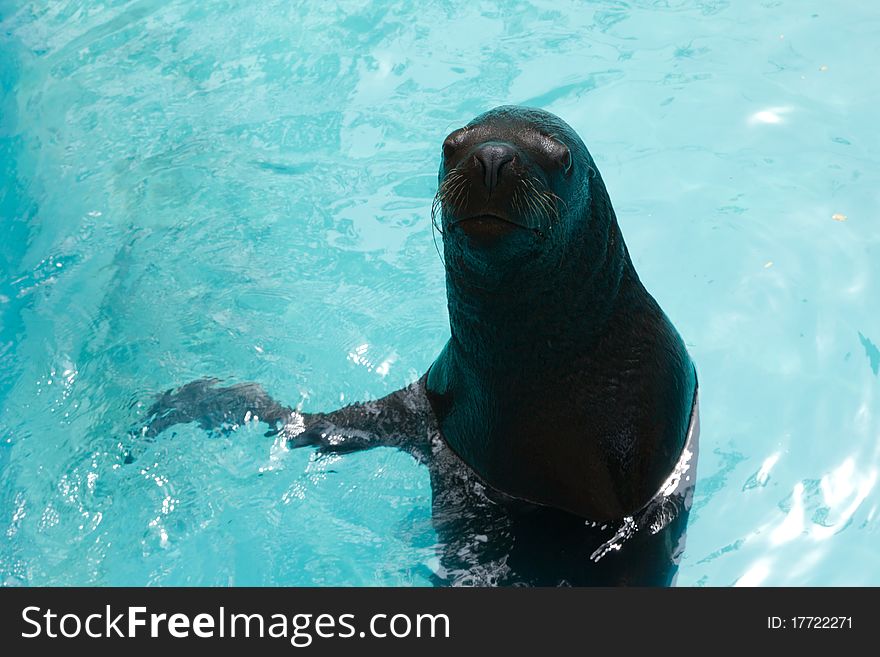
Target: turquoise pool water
242, 189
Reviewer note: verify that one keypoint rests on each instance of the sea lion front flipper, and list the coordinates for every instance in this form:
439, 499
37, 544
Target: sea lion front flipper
213, 408
396, 420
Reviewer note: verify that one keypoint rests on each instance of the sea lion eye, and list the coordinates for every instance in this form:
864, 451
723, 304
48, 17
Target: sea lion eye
454, 141
558, 152
565, 160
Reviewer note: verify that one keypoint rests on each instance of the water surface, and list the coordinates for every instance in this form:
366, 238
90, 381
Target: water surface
242, 190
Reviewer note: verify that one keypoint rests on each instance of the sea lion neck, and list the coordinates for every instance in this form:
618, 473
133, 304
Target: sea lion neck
550, 312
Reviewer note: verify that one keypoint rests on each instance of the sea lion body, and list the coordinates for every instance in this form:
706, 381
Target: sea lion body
560, 421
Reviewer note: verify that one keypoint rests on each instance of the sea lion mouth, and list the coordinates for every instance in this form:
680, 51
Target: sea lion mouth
485, 219
486, 228
520, 201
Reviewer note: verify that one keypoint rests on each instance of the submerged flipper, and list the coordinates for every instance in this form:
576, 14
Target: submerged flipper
213, 408
396, 420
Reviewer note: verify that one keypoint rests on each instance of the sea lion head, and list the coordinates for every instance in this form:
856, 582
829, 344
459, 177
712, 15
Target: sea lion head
516, 193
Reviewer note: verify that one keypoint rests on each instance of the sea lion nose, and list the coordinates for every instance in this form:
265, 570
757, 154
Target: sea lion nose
492, 156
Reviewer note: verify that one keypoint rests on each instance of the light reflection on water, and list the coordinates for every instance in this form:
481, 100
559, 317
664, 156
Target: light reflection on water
244, 192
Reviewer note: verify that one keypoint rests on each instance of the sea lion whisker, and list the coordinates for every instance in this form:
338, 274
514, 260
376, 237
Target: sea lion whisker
454, 201
534, 201
515, 200
434, 238
533, 204
549, 206
536, 194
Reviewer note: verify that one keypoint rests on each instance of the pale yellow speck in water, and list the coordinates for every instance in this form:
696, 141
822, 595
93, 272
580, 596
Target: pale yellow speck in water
768, 264
823, 68
837, 216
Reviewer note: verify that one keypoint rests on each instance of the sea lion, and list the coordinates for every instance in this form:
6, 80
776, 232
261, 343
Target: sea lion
560, 421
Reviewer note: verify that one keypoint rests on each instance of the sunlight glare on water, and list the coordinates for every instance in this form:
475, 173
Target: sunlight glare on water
242, 190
